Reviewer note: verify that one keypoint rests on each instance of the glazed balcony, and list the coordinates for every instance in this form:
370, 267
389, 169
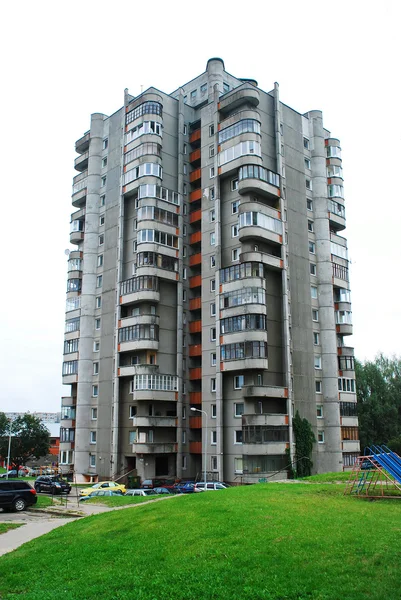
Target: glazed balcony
245, 94
195, 447
272, 262
82, 145
154, 448
195, 303
257, 179
81, 162
139, 289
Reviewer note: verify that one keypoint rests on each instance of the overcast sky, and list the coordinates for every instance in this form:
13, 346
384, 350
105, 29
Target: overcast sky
62, 61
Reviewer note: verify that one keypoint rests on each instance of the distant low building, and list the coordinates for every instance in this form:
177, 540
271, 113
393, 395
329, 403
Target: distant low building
46, 417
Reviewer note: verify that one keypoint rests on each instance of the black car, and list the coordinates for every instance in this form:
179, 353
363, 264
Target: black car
53, 484
16, 495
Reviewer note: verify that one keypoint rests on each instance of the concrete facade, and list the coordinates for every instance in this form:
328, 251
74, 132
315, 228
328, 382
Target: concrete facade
209, 274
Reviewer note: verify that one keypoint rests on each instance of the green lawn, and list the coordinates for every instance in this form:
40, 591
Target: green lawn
4, 527
268, 541
328, 477
114, 501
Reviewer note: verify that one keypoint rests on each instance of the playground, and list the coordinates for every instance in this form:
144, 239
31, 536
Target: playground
376, 475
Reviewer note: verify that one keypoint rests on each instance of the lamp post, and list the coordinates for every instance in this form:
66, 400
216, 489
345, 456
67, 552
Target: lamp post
206, 440
9, 448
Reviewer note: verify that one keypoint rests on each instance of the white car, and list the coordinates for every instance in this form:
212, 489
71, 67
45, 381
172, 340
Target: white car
140, 493
210, 486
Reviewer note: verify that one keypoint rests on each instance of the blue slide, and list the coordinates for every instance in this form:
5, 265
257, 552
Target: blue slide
388, 460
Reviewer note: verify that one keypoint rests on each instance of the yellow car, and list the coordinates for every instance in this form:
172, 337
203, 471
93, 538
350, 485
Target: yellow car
103, 485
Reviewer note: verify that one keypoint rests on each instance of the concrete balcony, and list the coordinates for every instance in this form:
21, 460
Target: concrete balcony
154, 448
243, 364
155, 395
81, 162
349, 421
259, 234
273, 262
131, 370
68, 401
350, 445
67, 379
257, 186
78, 198
140, 296
139, 320
344, 329
139, 344
76, 237
264, 449
265, 419
265, 391
154, 422
245, 94
82, 145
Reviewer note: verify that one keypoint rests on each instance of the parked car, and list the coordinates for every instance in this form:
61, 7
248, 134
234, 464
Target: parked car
102, 493
103, 485
53, 484
16, 495
13, 473
185, 488
164, 490
149, 484
210, 486
140, 493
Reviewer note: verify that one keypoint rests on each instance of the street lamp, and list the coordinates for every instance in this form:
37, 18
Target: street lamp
9, 448
206, 440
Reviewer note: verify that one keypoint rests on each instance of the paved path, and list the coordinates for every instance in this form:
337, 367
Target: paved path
31, 529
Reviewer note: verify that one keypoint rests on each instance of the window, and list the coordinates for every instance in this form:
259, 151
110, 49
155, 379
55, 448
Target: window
94, 414
102, 200
213, 309
212, 239
213, 384
132, 437
312, 247
184, 273
105, 143
100, 260
238, 436
184, 295
104, 162
234, 231
213, 464
98, 301
318, 362
235, 207
93, 437
213, 359
184, 463
320, 436
101, 239
193, 94
211, 130
185, 190
184, 437
104, 179
211, 151
238, 465
238, 382
318, 386
313, 292
310, 226
185, 209
315, 315
212, 216
213, 437
184, 230
212, 172
96, 346
346, 385
92, 460
319, 411
185, 169
214, 411
316, 338
95, 390
212, 285
309, 205
308, 184
184, 412
307, 163
96, 368
235, 254
212, 194
97, 323
238, 409
99, 281
234, 185
312, 268
184, 252
306, 143
213, 334
132, 412
184, 149
203, 88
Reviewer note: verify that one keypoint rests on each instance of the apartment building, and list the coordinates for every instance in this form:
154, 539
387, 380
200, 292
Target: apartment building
208, 295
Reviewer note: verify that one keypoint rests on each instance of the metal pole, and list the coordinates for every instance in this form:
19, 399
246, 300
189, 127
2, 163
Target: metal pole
9, 449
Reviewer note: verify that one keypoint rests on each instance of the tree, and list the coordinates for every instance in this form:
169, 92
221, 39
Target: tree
304, 440
30, 439
378, 385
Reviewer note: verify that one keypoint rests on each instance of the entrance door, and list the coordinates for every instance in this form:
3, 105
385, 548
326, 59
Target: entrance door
161, 465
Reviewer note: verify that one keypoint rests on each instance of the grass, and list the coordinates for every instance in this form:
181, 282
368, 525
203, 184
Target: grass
114, 501
262, 542
4, 527
328, 477
43, 502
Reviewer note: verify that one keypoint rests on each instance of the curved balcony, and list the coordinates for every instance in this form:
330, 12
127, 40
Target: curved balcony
336, 214
238, 356
76, 236
141, 369
78, 198
333, 148
155, 395
82, 145
273, 262
256, 179
344, 329
139, 344
81, 162
140, 289
154, 448
145, 319
244, 94
260, 227
231, 167
138, 421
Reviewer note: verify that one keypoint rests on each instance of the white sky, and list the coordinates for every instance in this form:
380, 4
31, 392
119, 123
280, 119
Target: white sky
62, 61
